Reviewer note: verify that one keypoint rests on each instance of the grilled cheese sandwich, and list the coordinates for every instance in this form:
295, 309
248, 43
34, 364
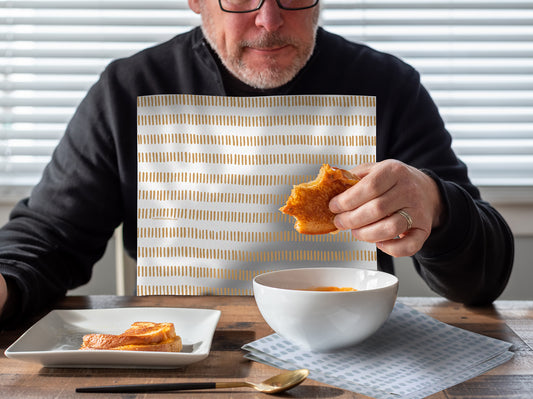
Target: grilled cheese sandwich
141, 336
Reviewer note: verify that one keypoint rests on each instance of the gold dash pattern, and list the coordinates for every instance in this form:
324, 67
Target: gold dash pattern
213, 173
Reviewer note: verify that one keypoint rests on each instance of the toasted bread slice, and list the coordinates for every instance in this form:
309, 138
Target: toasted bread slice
169, 345
140, 333
140, 336
149, 332
309, 202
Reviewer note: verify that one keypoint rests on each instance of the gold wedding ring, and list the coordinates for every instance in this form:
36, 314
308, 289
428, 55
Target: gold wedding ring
407, 218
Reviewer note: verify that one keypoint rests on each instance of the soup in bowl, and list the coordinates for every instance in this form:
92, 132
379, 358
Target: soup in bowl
324, 309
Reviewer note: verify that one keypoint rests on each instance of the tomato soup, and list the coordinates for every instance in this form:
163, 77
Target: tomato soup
330, 289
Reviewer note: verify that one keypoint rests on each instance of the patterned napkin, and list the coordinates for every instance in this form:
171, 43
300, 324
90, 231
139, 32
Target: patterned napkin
213, 173
410, 357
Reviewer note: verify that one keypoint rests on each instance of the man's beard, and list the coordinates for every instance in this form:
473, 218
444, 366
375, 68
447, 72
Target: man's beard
270, 75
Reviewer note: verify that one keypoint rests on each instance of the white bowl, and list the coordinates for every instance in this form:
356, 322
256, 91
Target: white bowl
325, 320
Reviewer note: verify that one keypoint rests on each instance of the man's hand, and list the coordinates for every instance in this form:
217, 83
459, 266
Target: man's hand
370, 208
3, 293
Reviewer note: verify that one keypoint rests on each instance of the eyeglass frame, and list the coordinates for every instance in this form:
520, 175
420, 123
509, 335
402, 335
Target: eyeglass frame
261, 5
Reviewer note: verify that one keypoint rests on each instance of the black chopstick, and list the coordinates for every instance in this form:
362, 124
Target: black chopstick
145, 388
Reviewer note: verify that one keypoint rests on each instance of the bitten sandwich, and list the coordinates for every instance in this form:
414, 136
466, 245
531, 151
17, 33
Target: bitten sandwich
309, 202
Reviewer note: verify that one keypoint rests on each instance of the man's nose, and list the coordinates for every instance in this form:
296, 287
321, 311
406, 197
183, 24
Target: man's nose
269, 16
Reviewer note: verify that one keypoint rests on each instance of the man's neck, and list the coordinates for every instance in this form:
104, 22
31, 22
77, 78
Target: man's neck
236, 88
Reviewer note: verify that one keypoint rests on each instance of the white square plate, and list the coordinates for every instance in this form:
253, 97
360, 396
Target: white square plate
54, 340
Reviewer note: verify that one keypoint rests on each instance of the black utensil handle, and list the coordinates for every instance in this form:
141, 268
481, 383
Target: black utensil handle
144, 388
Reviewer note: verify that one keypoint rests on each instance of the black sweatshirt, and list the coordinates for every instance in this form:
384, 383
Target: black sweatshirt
54, 237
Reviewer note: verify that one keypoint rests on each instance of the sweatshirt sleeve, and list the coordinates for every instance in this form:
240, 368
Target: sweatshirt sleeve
53, 238
469, 258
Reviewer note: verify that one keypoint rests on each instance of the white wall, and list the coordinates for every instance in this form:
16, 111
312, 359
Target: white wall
519, 287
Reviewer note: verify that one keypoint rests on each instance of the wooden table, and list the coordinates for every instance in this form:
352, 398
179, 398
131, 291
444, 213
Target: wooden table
241, 323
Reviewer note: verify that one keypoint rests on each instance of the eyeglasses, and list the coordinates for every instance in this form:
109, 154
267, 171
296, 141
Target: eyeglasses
242, 6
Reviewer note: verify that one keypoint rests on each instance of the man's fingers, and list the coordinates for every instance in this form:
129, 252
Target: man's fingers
367, 189
407, 244
388, 228
362, 170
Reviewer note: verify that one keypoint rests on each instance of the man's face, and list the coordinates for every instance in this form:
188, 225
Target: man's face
264, 48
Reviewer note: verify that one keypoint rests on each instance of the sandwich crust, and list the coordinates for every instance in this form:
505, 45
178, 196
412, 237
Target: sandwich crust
170, 345
309, 202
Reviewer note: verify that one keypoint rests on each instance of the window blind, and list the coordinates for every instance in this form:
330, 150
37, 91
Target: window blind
475, 57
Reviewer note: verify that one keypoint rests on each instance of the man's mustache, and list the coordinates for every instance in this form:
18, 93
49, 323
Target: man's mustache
268, 40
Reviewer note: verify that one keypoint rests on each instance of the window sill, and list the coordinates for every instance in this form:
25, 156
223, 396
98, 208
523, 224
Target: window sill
9, 195
507, 195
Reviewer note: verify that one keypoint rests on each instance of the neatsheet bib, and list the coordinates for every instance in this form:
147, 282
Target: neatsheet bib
213, 173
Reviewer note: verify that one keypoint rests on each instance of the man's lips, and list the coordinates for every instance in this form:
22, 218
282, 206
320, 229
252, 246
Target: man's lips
268, 50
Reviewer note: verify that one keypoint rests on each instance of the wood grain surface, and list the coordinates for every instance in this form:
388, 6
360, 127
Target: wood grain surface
241, 323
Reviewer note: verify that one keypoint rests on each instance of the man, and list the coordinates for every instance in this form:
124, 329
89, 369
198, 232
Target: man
417, 201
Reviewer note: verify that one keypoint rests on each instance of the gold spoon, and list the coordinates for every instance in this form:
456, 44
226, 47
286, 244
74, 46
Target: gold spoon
276, 384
